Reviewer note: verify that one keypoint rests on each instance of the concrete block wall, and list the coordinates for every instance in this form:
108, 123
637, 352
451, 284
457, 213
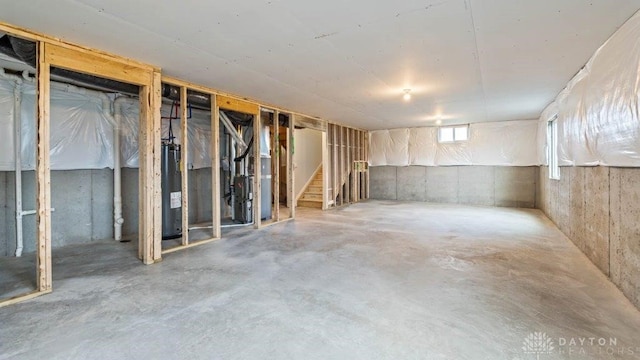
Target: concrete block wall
474, 185
200, 209
598, 208
83, 203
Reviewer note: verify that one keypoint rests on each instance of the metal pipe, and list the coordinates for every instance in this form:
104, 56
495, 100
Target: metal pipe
224, 119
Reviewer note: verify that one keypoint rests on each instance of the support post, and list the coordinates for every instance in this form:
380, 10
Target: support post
184, 165
275, 161
215, 167
43, 171
291, 150
257, 163
155, 119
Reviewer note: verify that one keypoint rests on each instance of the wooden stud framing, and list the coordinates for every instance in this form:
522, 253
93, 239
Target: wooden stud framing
356, 172
184, 166
225, 102
340, 165
366, 158
325, 170
54, 52
291, 145
95, 64
336, 166
348, 167
215, 168
83, 50
148, 78
216, 230
147, 219
206, 90
275, 161
154, 172
347, 156
257, 164
43, 172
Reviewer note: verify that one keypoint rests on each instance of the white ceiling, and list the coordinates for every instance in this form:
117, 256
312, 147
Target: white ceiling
349, 61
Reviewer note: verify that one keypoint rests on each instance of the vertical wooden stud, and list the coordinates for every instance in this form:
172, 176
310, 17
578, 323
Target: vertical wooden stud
184, 165
336, 141
366, 158
43, 172
150, 207
275, 161
325, 170
215, 168
155, 120
291, 150
257, 164
348, 166
145, 190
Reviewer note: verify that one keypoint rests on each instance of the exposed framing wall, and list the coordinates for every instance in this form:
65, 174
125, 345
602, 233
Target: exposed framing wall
347, 164
52, 52
215, 164
57, 53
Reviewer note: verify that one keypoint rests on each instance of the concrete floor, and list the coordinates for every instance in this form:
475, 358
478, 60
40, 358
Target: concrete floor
376, 280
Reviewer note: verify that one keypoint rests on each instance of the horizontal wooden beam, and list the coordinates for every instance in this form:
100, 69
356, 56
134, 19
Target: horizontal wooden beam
35, 36
227, 103
89, 63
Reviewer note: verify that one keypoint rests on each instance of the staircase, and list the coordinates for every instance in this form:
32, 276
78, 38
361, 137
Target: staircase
312, 196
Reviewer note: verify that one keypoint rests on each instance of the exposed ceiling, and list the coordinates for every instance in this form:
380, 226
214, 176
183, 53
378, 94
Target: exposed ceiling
349, 61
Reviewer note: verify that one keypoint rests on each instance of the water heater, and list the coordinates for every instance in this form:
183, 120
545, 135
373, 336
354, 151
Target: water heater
171, 192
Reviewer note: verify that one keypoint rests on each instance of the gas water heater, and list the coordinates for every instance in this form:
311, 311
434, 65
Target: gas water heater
171, 191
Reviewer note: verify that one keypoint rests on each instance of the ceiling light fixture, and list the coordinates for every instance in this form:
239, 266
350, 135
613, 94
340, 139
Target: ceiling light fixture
407, 94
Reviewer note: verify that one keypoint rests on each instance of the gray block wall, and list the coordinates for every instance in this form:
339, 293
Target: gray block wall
474, 185
83, 203
200, 201
598, 208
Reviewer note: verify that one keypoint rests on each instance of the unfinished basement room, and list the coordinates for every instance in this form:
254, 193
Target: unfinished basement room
279, 179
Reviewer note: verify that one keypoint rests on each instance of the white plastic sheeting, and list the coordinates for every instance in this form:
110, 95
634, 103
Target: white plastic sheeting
199, 135
508, 143
597, 113
6, 125
81, 134
389, 147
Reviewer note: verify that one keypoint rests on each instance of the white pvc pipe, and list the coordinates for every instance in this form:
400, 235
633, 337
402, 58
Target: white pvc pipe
118, 220
17, 140
17, 132
115, 118
106, 108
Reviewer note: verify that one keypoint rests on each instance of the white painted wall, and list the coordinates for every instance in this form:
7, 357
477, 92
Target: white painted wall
307, 157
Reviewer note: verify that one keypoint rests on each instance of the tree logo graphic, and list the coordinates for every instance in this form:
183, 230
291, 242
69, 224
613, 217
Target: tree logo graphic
538, 343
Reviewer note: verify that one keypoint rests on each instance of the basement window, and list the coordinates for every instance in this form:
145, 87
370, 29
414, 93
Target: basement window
450, 134
552, 148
